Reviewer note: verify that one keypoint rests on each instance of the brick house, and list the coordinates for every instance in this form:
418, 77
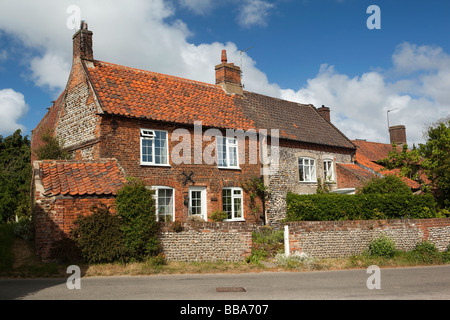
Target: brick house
174, 134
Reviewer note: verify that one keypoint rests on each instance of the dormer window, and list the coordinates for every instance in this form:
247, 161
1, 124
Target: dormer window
154, 147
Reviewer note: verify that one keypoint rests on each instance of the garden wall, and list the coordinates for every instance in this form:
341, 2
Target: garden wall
336, 239
207, 241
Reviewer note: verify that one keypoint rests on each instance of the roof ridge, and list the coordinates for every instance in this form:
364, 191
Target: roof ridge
158, 74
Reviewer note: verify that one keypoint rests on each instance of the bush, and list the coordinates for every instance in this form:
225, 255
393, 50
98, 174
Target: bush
382, 247
99, 236
334, 207
426, 252
218, 216
389, 184
24, 229
136, 207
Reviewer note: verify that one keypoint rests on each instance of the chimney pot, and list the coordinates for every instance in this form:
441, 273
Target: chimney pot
224, 56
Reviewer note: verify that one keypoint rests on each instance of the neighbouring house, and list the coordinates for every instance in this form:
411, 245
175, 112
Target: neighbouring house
194, 143
367, 165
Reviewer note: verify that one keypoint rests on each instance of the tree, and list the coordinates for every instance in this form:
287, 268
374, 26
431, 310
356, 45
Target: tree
436, 159
52, 148
15, 177
408, 161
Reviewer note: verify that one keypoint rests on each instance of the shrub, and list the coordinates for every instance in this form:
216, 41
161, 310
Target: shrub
382, 247
389, 184
334, 207
136, 207
24, 229
218, 216
99, 236
426, 252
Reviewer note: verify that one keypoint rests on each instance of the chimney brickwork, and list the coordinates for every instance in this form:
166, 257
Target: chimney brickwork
229, 76
398, 135
325, 113
82, 43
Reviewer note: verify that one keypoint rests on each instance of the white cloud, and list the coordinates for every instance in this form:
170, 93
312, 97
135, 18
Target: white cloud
359, 105
12, 108
254, 13
50, 70
197, 6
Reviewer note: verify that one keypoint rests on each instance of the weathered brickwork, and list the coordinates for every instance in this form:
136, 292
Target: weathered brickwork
127, 136
285, 177
335, 239
207, 241
55, 216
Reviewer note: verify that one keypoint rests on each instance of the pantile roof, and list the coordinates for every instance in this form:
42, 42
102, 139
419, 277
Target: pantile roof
138, 93
143, 94
69, 177
367, 153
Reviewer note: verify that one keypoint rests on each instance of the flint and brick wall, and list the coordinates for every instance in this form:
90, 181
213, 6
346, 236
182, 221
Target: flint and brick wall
207, 241
336, 239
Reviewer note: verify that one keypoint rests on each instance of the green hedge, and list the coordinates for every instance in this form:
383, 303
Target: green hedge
333, 207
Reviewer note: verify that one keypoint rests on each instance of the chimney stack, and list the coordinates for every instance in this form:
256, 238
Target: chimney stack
229, 76
325, 113
398, 135
82, 43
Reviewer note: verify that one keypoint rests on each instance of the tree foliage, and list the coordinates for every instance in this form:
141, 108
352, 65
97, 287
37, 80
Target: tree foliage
388, 184
52, 147
15, 177
136, 207
436, 159
408, 161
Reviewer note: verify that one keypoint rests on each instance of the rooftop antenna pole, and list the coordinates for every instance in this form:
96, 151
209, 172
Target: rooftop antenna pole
387, 115
242, 74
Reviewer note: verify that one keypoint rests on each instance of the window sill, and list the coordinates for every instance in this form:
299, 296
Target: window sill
234, 220
154, 165
230, 168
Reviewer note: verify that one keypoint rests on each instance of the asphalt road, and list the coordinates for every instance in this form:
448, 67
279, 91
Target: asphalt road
417, 283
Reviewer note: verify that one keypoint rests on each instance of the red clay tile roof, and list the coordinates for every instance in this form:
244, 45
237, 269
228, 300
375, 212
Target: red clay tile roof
369, 152
356, 170
137, 93
61, 177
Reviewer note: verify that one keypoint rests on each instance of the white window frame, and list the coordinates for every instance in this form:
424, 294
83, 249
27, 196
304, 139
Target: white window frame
203, 206
156, 196
230, 144
326, 171
306, 163
150, 134
233, 198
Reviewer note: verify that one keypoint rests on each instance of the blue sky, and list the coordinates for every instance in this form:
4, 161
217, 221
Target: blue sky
310, 51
